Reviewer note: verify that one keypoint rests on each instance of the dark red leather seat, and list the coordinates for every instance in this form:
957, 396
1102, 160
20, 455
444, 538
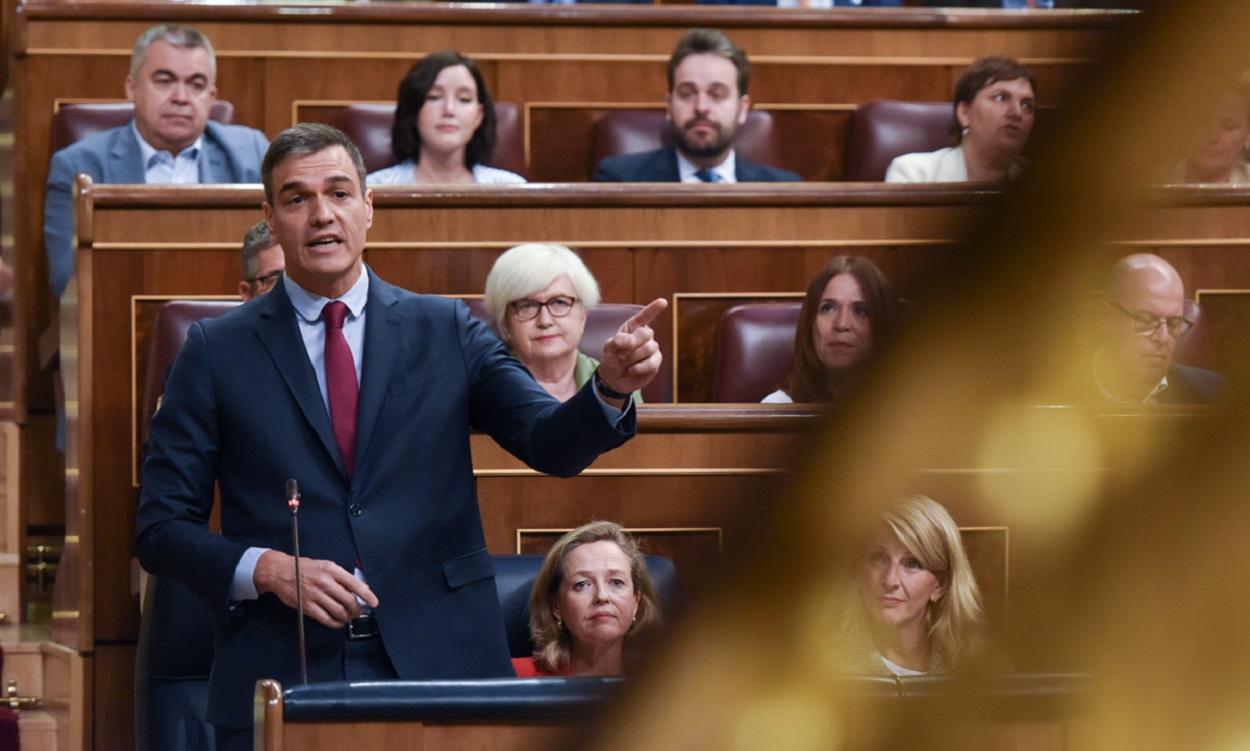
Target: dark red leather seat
1194, 348
754, 349
74, 122
370, 125
626, 131
881, 131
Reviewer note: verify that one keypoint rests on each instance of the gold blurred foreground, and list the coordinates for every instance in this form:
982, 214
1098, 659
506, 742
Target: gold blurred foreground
1127, 534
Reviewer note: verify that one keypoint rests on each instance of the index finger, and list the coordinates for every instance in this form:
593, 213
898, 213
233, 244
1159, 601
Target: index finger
646, 315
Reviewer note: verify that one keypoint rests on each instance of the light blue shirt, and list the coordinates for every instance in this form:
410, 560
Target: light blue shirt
163, 168
308, 308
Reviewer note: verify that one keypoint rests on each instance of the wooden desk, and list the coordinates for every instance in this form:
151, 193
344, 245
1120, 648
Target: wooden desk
141, 244
278, 63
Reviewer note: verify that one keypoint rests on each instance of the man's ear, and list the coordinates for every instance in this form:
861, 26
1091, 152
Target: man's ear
130, 88
268, 211
744, 108
244, 288
368, 208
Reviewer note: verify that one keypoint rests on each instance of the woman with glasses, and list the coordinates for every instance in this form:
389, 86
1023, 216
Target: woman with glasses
539, 294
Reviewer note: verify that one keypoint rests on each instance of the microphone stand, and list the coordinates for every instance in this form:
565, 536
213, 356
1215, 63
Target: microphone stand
292, 500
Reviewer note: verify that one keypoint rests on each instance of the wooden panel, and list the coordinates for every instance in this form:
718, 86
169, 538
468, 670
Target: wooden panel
113, 711
696, 320
333, 736
1228, 319
695, 552
272, 55
688, 469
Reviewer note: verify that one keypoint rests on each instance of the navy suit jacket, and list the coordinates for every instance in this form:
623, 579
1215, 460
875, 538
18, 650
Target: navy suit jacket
232, 154
660, 166
1190, 385
242, 408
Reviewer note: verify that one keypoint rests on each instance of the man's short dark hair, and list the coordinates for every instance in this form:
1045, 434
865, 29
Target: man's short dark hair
983, 72
256, 240
305, 139
710, 42
406, 139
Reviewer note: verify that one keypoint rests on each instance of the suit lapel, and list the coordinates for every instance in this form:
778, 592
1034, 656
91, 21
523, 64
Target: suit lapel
668, 170
383, 324
125, 158
213, 160
279, 333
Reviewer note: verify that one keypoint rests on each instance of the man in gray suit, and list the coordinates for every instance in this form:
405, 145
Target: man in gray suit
172, 83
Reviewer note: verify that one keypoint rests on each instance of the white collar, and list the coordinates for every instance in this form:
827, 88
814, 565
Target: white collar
727, 169
147, 150
309, 305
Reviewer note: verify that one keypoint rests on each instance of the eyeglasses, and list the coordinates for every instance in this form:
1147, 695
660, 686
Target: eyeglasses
266, 282
1147, 323
558, 307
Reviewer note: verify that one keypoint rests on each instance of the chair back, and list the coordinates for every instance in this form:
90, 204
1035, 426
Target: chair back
514, 580
627, 131
881, 131
166, 338
1194, 347
74, 122
754, 350
369, 125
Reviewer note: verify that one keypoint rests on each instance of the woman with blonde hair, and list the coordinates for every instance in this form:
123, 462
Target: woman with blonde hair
918, 608
592, 603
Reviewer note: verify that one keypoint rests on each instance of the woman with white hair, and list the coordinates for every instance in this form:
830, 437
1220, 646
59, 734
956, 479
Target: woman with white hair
918, 609
539, 294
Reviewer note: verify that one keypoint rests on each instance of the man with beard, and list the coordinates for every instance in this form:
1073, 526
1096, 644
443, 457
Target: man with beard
707, 104
1142, 319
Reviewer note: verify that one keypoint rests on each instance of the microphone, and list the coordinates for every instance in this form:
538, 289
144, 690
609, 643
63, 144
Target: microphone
292, 500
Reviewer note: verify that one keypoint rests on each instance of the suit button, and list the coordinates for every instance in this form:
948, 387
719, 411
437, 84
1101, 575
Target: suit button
355, 509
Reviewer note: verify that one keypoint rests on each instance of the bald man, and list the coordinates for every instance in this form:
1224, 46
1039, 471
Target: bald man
1142, 319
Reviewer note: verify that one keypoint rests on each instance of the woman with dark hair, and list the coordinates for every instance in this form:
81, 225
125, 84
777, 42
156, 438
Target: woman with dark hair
995, 104
850, 311
592, 601
444, 128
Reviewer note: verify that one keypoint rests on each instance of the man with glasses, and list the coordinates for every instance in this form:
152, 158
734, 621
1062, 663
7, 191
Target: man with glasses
1142, 320
262, 262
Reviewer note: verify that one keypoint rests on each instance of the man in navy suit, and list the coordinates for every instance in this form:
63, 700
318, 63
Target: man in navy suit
170, 140
397, 582
707, 104
1143, 310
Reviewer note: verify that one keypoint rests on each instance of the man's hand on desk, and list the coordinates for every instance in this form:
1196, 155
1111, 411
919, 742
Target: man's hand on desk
330, 591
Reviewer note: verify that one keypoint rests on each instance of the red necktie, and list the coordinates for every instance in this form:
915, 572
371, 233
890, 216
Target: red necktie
341, 383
